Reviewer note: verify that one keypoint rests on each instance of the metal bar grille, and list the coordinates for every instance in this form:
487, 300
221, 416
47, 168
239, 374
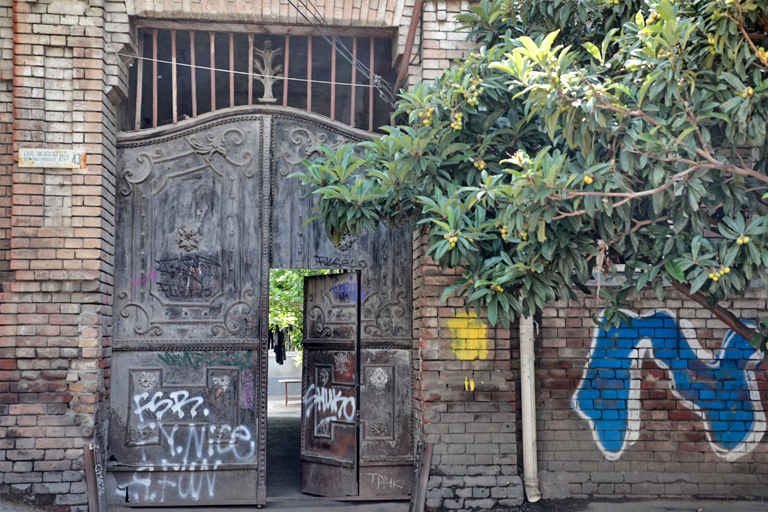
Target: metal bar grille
299, 71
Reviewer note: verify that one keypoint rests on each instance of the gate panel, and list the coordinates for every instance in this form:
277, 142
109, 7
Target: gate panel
386, 447
186, 419
329, 410
384, 259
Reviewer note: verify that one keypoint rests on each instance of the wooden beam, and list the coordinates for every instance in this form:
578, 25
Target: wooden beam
354, 79
250, 69
154, 78
265, 29
173, 78
194, 73
333, 80
285, 69
231, 69
139, 82
212, 48
309, 74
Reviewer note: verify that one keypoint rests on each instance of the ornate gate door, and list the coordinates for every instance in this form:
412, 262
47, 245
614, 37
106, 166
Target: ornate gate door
190, 291
330, 385
203, 210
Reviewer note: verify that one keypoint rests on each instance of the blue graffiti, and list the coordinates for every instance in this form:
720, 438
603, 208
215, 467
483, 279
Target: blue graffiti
720, 388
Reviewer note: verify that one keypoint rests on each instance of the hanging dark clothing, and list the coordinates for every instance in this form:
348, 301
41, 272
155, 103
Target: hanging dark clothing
277, 341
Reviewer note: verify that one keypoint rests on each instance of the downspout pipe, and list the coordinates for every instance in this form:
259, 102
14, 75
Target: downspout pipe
528, 404
402, 75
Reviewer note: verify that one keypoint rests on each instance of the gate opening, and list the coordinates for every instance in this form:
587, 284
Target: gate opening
284, 394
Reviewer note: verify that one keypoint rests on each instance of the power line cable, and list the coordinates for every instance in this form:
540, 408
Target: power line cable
208, 68
385, 89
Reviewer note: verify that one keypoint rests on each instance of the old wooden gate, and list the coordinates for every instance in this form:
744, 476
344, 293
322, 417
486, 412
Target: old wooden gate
344, 453
204, 209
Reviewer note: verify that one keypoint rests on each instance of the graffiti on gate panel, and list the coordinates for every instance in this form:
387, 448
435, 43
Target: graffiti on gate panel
185, 434
720, 388
328, 404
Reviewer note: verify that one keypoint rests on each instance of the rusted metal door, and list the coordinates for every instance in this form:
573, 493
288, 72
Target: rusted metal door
192, 270
330, 385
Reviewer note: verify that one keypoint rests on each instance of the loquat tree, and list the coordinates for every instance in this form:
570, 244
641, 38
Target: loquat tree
618, 137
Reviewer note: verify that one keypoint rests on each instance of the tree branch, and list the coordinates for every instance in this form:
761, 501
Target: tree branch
723, 315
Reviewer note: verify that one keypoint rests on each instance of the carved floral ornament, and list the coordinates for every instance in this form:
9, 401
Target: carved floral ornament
220, 431
378, 428
147, 380
187, 238
268, 71
378, 378
142, 433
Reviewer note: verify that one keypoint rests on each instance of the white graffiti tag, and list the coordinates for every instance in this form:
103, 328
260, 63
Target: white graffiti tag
192, 458
379, 480
159, 405
329, 402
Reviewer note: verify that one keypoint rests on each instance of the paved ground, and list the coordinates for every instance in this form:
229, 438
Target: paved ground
643, 506
283, 438
548, 506
283, 447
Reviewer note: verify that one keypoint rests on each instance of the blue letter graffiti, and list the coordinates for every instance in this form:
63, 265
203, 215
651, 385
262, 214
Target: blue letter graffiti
719, 388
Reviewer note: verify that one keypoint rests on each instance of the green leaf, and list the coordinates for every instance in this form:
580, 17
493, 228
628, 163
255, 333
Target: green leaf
734, 81
700, 280
593, 50
673, 268
541, 235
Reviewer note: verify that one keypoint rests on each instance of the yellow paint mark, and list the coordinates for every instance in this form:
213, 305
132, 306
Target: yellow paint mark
466, 384
471, 384
470, 337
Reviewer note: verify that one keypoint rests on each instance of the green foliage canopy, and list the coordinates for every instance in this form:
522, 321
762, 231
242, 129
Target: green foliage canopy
582, 135
286, 302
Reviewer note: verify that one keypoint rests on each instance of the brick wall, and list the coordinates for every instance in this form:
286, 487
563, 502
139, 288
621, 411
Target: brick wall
56, 313
687, 436
442, 44
464, 397
6, 125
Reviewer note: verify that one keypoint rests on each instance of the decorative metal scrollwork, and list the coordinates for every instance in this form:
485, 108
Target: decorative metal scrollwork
214, 143
301, 135
241, 307
144, 325
319, 329
386, 316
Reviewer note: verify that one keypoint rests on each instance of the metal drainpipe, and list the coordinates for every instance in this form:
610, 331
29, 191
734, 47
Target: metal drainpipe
528, 399
403, 73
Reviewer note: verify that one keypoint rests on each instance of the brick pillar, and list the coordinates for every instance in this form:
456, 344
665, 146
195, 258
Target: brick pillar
464, 396
56, 313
